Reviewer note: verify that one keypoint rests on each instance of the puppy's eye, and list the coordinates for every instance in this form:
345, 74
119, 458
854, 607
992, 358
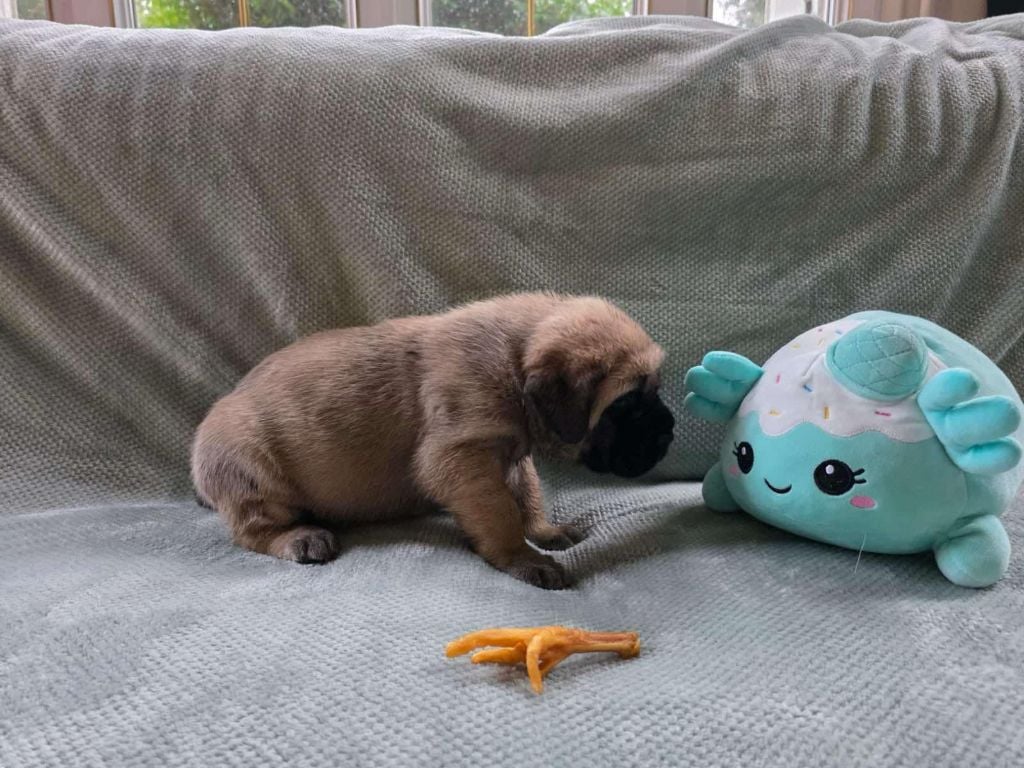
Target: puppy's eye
744, 453
835, 477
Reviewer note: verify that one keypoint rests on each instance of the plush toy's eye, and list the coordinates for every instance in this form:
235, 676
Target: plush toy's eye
744, 453
835, 477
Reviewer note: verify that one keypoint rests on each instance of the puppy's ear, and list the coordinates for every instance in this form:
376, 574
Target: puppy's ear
563, 402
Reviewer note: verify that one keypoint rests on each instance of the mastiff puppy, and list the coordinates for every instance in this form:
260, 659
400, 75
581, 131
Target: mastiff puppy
442, 411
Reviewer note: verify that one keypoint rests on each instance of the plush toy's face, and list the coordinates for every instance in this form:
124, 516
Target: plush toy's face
844, 490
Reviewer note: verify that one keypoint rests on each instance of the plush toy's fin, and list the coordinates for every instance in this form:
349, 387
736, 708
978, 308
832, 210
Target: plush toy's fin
880, 360
716, 495
973, 430
976, 554
719, 384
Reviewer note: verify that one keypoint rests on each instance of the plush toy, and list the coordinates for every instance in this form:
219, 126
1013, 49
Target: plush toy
879, 432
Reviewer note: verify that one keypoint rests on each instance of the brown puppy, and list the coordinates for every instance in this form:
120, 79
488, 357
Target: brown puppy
437, 411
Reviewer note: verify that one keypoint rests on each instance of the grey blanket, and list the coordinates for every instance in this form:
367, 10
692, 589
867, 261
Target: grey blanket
175, 205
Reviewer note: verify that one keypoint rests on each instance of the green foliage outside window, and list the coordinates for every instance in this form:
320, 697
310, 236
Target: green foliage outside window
508, 17
221, 14
551, 13
31, 9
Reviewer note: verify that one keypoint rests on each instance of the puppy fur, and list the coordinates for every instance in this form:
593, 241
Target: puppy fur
442, 411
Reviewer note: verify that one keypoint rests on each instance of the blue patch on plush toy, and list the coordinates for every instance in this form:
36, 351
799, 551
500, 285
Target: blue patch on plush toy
879, 432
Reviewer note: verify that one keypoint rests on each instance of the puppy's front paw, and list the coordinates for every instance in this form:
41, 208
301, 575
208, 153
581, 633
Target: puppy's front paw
308, 544
557, 537
540, 571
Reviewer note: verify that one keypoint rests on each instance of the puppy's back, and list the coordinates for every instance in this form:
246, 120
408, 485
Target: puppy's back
332, 416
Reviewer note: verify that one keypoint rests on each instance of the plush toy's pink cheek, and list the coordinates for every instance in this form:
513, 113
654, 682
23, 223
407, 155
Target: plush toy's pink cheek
734, 470
863, 502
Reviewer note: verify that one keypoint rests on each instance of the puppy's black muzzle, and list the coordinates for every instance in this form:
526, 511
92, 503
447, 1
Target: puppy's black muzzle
633, 435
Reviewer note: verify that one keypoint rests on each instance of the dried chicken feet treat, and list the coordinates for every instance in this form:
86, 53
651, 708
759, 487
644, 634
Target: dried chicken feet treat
540, 648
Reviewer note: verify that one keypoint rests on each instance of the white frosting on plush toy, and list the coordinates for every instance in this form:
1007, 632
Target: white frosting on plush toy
798, 386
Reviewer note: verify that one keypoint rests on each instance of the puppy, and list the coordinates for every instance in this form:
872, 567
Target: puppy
442, 411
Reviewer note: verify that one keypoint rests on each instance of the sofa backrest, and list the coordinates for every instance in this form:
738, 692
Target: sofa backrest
174, 205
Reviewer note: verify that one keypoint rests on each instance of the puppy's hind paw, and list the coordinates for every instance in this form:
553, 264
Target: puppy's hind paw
557, 537
307, 544
540, 571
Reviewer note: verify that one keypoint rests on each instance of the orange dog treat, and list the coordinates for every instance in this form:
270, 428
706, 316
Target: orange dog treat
540, 648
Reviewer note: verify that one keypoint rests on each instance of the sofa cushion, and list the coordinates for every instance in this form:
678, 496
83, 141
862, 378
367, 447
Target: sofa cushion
135, 634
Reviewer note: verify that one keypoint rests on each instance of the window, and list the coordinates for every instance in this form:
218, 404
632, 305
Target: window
507, 17
222, 14
519, 17
31, 9
753, 13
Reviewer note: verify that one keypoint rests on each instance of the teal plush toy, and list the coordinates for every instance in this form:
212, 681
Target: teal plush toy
879, 432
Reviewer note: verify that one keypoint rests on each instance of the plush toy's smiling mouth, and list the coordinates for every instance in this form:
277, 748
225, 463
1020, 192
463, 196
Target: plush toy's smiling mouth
787, 489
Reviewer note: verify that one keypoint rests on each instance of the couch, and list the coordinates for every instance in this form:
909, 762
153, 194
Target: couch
174, 205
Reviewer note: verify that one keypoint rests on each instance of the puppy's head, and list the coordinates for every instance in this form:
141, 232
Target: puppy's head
592, 377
